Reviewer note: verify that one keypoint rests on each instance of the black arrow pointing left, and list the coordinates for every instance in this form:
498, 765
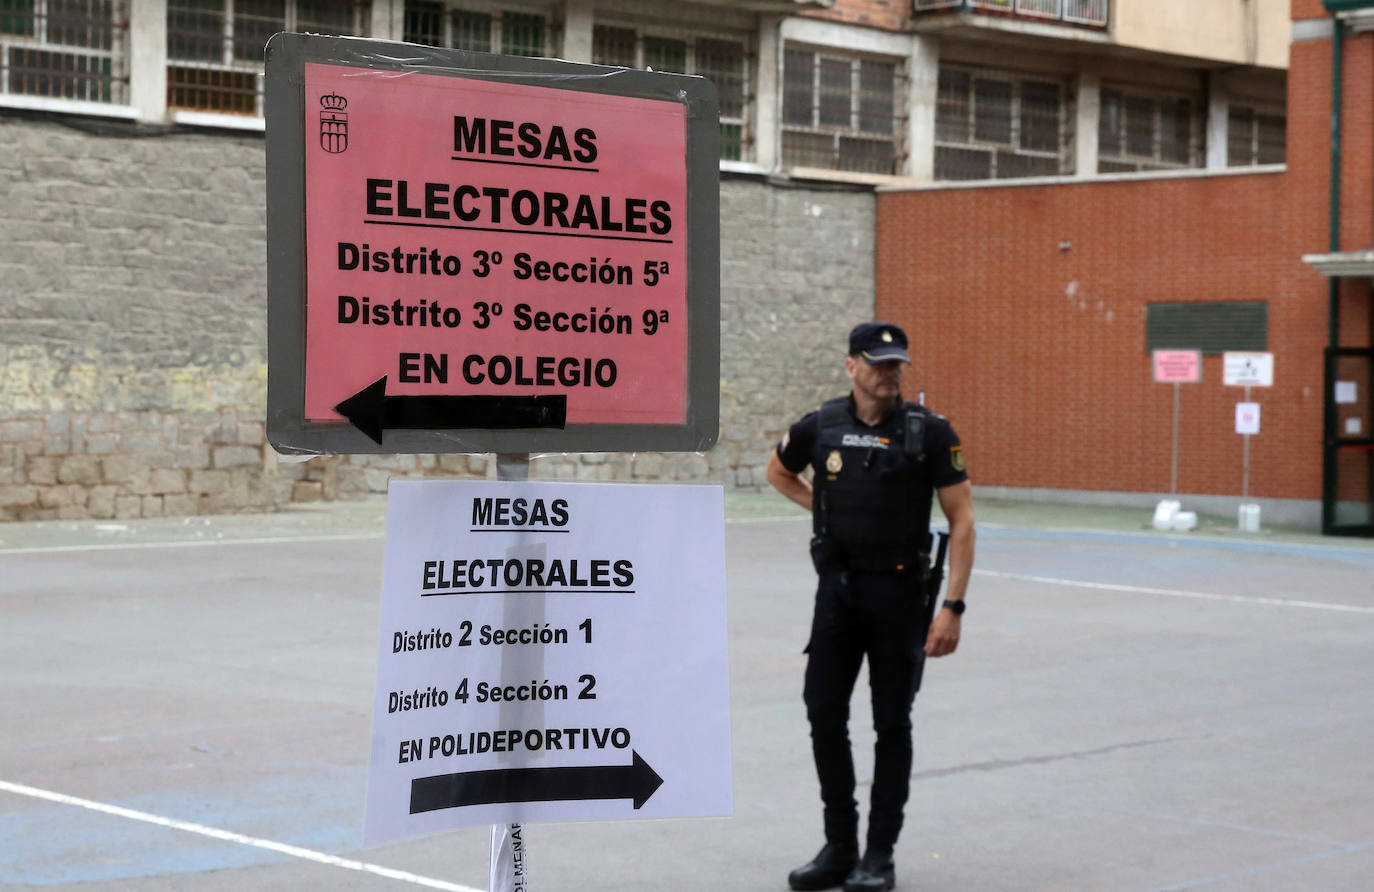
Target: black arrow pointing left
373, 412
636, 781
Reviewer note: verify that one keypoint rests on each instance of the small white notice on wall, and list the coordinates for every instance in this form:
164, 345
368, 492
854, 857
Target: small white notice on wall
1247, 369
1247, 418
1353, 427
1346, 392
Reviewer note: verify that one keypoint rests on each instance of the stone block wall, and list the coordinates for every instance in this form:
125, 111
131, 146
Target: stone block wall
133, 343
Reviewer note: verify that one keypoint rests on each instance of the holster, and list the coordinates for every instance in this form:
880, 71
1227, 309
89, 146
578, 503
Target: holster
935, 577
826, 553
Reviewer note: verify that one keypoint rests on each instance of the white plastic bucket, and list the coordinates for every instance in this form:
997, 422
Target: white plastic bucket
1164, 514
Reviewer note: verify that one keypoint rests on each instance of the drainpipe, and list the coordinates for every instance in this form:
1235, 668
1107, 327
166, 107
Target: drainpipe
1333, 285
1337, 65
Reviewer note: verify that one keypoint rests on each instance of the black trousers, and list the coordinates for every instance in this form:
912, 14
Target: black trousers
880, 616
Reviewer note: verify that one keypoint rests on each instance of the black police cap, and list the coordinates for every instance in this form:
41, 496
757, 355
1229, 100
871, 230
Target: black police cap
878, 342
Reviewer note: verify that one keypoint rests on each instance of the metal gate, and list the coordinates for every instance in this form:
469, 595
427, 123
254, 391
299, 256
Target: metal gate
1348, 453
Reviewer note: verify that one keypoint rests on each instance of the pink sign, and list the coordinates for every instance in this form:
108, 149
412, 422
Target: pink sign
1177, 366
473, 237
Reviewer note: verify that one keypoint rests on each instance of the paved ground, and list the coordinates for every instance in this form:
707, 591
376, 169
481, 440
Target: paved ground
1129, 711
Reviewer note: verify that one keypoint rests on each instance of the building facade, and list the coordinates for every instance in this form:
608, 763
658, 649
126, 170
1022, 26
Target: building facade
908, 158
1048, 296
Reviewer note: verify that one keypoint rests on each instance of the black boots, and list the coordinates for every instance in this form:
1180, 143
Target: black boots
831, 866
838, 863
875, 873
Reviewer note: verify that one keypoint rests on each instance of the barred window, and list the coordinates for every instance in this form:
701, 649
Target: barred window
65, 49
478, 27
842, 112
723, 58
998, 124
215, 47
1255, 136
1148, 131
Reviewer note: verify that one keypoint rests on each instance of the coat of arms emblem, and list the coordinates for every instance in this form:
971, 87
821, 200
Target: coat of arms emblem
333, 123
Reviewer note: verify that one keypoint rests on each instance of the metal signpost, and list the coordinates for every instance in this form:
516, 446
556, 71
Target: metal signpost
472, 253
1242, 369
1176, 367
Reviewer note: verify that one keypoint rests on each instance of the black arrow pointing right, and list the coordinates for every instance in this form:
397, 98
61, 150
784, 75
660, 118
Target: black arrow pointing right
636, 781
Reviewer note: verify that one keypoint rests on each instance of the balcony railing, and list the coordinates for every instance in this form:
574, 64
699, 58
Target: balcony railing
1074, 12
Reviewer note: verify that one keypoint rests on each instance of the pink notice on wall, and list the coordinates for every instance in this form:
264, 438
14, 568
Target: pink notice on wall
1177, 366
471, 237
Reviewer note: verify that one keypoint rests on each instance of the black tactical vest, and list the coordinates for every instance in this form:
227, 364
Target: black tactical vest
872, 487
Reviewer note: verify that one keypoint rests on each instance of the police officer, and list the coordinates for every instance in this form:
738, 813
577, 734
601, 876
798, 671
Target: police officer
877, 460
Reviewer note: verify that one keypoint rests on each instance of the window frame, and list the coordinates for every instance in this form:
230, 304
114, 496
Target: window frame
496, 12
690, 38
182, 65
1124, 160
107, 87
1016, 143
817, 130
1257, 111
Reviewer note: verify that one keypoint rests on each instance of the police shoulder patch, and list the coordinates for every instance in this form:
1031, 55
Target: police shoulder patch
956, 457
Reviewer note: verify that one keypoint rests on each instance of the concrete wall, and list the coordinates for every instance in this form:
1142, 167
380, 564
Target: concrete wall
1240, 32
133, 359
1234, 32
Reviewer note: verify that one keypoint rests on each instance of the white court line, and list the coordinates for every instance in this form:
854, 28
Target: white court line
1176, 593
227, 836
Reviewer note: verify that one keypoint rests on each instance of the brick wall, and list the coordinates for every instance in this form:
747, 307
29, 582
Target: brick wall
1029, 307
888, 15
1309, 9
133, 330
1309, 131
1029, 303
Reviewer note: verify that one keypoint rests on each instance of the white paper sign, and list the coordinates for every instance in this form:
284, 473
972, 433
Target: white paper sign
1247, 418
549, 652
1346, 392
1240, 369
1354, 426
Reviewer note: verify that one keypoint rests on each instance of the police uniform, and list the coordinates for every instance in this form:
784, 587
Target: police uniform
871, 504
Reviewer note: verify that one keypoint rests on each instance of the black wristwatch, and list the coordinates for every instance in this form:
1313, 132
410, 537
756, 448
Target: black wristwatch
955, 607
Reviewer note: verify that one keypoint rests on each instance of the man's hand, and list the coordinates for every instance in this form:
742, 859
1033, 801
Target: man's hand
956, 501
943, 636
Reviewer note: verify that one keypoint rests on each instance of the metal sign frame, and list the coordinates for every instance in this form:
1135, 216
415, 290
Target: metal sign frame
287, 427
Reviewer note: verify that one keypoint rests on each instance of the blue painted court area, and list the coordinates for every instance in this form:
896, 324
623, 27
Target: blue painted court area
313, 806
